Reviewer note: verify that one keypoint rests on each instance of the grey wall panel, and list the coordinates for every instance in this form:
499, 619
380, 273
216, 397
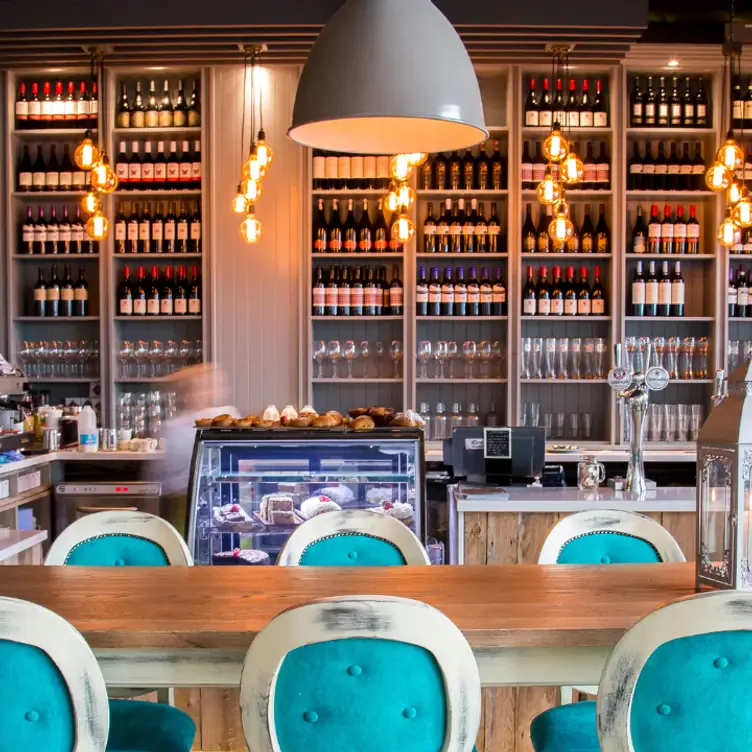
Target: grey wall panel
256, 291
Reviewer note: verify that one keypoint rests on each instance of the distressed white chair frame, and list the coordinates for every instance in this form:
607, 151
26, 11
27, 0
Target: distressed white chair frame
607, 521
348, 522
30, 624
700, 614
120, 522
361, 616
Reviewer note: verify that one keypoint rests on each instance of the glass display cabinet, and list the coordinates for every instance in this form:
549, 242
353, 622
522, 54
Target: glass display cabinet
250, 488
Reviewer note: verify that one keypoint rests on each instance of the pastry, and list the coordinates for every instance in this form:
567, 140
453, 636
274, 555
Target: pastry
363, 423
358, 411
323, 421
403, 421
231, 514
337, 417
379, 495
263, 424
382, 416
223, 421
400, 510
277, 509
318, 505
301, 422
244, 423
247, 557
204, 422
308, 412
341, 494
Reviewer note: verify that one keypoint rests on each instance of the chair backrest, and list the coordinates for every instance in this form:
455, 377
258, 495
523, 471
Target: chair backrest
52, 694
606, 536
356, 538
120, 538
680, 678
366, 673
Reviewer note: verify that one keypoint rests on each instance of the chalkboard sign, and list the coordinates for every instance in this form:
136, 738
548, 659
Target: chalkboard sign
498, 443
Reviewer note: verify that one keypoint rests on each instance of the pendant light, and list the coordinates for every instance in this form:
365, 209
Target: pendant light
388, 77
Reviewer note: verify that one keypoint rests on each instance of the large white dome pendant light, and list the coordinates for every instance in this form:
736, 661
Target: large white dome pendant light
388, 77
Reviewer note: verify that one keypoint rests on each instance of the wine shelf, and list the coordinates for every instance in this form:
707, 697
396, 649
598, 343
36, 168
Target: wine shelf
184, 131
578, 129
344, 255
47, 195
472, 193
156, 194
351, 193
357, 318
564, 382
64, 258
52, 134
563, 256
575, 195
669, 196
356, 380
62, 380
679, 319
480, 382
468, 256
563, 319
161, 256
55, 319
671, 132
157, 318
462, 318
672, 256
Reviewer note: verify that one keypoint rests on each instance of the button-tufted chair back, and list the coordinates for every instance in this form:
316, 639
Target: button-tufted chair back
120, 539
680, 678
609, 537
52, 695
352, 538
365, 673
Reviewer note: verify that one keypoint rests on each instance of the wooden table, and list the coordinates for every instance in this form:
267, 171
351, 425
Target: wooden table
180, 627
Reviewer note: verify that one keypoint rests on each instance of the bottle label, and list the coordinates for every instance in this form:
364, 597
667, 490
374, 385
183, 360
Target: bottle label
494, 230
194, 307
661, 169
673, 169
434, 294
742, 297
638, 244
22, 110
676, 113
598, 307
395, 297
737, 108
179, 119
185, 172
157, 231
343, 168
447, 294
195, 230
473, 294
77, 233
169, 231
527, 172
147, 172
139, 307
499, 294
319, 297
357, 297
53, 234
126, 307
698, 169
651, 292
379, 245
66, 179
648, 169
134, 172
528, 307
35, 110
583, 307
66, 294
132, 231
79, 179
152, 307
685, 169
557, 306
677, 293
702, 111
370, 297
343, 296
638, 293
587, 243
455, 230
732, 297
181, 306
196, 172
667, 231
173, 172
603, 173
654, 231
65, 233
586, 119
531, 118
27, 234
40, 294
543, 243
544, 307
539, 172
664, 293
120, 231
164, 118
25, 179
429, 229
680, 230
544, 117
601, 119
165, 307
460, 295
602, 242
53, 293
573, 119
570, 307
748, 110
483, 230
182, 231
636, 169
693, 231
160, 172
351, 245
52, 179
468, 229
143, 231
40, 233
590, 173
356, 167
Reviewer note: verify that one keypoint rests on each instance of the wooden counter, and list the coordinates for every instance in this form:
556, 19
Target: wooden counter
528, 625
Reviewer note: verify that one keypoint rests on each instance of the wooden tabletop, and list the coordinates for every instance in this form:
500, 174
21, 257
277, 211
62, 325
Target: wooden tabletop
224, 607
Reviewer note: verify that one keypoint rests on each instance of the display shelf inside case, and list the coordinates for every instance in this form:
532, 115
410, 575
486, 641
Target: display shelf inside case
251, 488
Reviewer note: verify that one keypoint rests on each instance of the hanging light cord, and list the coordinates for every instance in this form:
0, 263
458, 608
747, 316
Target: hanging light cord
253, 103
245, 85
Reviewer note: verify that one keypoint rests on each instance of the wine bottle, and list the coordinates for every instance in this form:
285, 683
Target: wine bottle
320, 230
58, 105
654, 231
160, 168
499, 293
529, 295
531, 106
434, 293
350, 230
447, 293
40, 295
22, 107
544, 107
636, 167
430, 239
380, 231
597, 295
573, 107
664, 291
639, 235
587, 233
688, 106
185, 167
180, 304
586, 111
357, 293
152, 293
573, 244
677, 291
134, 168
680, 231
194, 293
455, 226
182, 230
139, 294
584, 302
442, 228
343, 293
698, 170
454, 171
667, 232
156, 231
602, 169
693, 232
91, 106
460, 294
526, 169
484, 168
40, 233
440, 172
78, 230
648, 169
64, 233
600, 107
335, 230
496, 244
46, 116
686, 181
543, 239
27, 234
81, 295
319, 293
53, 233
732, 296
138, 109
164, 111
485, 289
123, 115
701, 105
675, 117
636, 112
468, 229
144, 230
173, 167
742, 294
52, 174
370, 294
559, 108
650, 118
543, 293
468, 171
638, 291
663, 104
570, 294
602, 233
557, 294
147, 168
53, 294
131, 237
194, 107
167, 294
180, 110
651, 292
421, 293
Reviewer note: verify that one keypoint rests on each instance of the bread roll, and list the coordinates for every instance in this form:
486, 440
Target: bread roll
363, 423
336, 417
323, 421
204, 422
301, 422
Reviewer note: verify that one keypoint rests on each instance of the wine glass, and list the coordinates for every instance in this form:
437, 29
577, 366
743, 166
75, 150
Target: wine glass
484, 354
198, 351
496, 358
381, 353
424, 355
441, 353
334, 353
396, 353
350, 352
365, 354
25, 356
470, 352
125, 356
319, 355
141, 355
171, 356
452, 352
156, 357
184, 352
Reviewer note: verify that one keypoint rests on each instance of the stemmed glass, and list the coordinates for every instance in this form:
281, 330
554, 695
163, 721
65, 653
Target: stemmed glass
496, 358
441, 353
470, 352
156, 357
350, 352
452, 352
484, 353
171, 356
396, 353
365, 353
198, 351
381, 353
184, 352
425, 351
319, 355
125, 356
24, 355
334, 353
140, 355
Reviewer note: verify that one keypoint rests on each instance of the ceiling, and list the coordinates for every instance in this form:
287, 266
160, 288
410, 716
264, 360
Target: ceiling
193, 32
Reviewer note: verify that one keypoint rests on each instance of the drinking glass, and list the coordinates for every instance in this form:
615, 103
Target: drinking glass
497, 355
586, 425
484, 354
440, 355
184, 352
645, 349
424, 355
672, 357
396, 354
549, 360
670, 415
319, 356
632, 348
548, 424
588, 358
125, 411
537, 370
687, 358
659, 350
526, 361
451, 355
654, 422
575, 358
350, 352
381, 355
601, 356
171, 356
470, 353
334, 353
125, 356
141, 356
94, 370
562, 357
682, 422
24, 356
696, 419
733, 355
573, 425
156, 358
531, 414
365, 354
559, 425
702, 352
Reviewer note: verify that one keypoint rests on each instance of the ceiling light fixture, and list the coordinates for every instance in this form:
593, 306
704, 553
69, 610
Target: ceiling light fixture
426, 97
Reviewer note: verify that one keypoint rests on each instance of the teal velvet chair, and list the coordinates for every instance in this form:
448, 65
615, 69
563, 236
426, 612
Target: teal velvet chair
352, 538
365, 673
598, 537
53, 697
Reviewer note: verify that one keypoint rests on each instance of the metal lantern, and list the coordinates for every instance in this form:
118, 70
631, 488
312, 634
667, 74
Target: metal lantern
724, 488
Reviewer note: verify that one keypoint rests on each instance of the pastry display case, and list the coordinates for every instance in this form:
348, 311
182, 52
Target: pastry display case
250, 488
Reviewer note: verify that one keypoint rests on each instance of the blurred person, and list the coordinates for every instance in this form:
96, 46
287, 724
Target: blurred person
200, 393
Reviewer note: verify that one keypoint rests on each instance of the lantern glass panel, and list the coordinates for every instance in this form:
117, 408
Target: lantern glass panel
717, 523
746, 542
